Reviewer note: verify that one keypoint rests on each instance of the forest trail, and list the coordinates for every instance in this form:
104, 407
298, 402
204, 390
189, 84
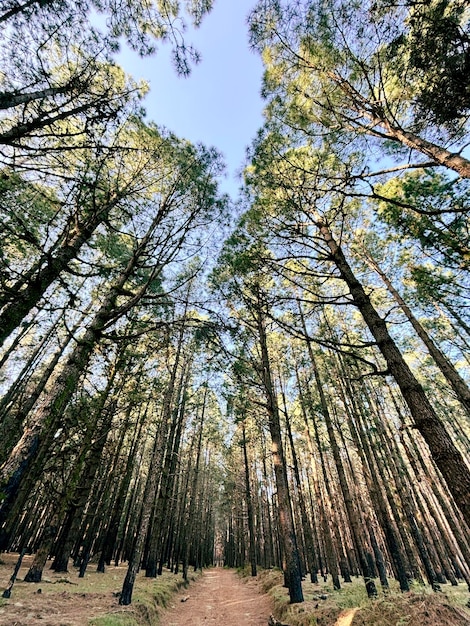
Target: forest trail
219, 597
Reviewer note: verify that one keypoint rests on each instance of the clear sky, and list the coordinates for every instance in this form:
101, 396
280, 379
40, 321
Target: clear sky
219, 104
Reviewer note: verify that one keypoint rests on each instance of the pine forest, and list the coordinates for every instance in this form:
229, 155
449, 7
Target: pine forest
278, 381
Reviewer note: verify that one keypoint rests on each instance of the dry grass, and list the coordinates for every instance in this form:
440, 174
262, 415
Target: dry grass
66, 600
324, 606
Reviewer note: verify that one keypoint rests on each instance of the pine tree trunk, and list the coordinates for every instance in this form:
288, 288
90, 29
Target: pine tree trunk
396, 133
11, 426
292, 574
173, 418
449, 372
307, 528
30, 288
446, 455
331, 558
151, 484
356, 420
34, 446
392, 459
34, 574
112, 529
348, 500
249, 504
81, 493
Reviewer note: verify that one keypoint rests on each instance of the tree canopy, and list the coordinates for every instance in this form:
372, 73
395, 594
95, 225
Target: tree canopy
279, 380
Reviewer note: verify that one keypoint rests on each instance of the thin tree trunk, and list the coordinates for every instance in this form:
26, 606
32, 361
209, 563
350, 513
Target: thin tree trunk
147, 505
249, 503
306, 525
292, 574
326, 515
356, 420
348, 500
112, 529
169, 416
449, 372
190, 519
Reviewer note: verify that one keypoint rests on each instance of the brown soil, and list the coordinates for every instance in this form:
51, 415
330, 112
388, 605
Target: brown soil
60, 599
219, 597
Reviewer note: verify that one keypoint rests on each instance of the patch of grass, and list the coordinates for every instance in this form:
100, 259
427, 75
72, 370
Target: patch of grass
351, 594
323, 605
149, 597
244, 572
270, 578
114, 620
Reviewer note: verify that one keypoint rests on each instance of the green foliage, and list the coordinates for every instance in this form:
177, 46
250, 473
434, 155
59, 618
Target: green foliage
346, 73
26, 211
432, 209
141, 25
433, 52
59, 88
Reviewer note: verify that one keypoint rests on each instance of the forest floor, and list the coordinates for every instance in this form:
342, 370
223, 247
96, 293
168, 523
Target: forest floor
350, 606
219, 597
67, 600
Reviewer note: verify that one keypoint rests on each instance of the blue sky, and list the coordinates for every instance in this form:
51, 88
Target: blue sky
219, 103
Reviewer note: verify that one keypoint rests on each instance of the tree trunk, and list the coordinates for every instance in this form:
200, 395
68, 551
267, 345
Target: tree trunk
80, 494
11, 426
292, 574
112, 529
392, 132
348, 500
307, 527
249, 504
446, 455
31, 287
151, 484
357, 423
447, 369
172, 417
34, 574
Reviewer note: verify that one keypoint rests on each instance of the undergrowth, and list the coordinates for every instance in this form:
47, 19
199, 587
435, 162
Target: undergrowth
323, 605
150, 596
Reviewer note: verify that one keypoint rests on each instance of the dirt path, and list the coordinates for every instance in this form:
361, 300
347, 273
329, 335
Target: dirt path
219, 597
346, 618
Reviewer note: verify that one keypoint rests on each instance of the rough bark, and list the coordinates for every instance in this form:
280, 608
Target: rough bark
292, 572
249, 504
446, 455
30, 288
447, 369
